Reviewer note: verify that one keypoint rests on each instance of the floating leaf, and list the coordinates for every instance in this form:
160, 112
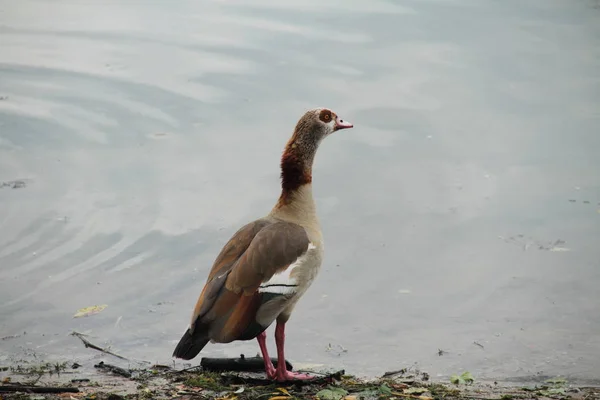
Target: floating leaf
332, 393
91, 310
465, 378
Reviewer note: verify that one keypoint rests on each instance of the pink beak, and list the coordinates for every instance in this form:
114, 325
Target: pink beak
341, 124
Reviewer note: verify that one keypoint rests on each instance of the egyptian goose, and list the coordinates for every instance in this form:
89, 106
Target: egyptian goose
268, 264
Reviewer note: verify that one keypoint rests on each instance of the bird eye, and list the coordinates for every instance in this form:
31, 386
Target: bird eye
325, 116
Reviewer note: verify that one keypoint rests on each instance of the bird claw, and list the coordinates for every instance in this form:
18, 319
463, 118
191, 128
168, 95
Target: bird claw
271, 372
292, 376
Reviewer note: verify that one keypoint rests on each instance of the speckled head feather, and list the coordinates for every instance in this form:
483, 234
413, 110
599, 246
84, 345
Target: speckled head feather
300, 150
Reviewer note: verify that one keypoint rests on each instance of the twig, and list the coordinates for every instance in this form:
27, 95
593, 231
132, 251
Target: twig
37, 379
257, 379
392, 373
37, 389
10, 337
89, 344
195, 367
412, 396
114, 369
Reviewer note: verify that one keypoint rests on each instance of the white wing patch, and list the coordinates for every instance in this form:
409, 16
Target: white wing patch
283, 282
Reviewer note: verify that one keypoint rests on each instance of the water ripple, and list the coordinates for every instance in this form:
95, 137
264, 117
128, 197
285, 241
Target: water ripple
147, 132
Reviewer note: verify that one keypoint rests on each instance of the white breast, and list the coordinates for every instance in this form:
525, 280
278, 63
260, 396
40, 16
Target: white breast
297, 277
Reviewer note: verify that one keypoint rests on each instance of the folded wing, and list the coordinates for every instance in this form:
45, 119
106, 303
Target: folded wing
251, 275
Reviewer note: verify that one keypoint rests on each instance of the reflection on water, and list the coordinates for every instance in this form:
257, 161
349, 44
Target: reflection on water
146, 134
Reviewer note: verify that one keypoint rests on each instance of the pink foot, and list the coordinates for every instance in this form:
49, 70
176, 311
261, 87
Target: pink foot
292, 376
270, 370
282, 374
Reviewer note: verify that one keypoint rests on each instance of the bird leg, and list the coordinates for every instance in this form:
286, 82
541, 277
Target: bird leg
262, 343
282, 374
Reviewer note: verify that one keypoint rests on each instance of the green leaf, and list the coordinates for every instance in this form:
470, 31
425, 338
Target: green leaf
554, 393
385, 389
367, 394
464, 378
332, 393
557, 381
467, 377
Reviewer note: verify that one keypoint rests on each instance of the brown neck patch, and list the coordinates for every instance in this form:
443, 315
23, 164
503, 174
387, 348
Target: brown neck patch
294, 171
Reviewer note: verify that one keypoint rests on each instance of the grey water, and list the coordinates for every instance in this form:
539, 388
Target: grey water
461, 215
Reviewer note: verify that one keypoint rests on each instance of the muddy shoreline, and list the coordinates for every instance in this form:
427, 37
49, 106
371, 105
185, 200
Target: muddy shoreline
103, 380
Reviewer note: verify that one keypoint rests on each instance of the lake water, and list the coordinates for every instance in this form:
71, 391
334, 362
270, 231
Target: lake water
461, 214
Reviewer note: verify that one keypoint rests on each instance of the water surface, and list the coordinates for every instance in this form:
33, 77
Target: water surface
463, 207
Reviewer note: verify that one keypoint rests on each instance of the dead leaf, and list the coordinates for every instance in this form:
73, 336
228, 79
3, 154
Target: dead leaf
278, 398
70, 396
227, 398
398, 386
284, 391
91, 310
415, 390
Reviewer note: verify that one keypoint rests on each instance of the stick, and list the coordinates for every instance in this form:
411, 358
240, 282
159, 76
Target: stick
256, 379
195, 367
114, 369
89, 344
37, 389
241, 364
392, 373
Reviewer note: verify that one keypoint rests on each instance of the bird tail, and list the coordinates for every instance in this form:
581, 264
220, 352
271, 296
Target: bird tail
190, 344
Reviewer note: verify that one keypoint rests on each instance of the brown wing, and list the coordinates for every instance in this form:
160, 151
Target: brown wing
229, 301
273, 249
230, 253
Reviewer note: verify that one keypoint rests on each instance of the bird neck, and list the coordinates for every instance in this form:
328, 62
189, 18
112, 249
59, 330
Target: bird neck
297, 206
296, 179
